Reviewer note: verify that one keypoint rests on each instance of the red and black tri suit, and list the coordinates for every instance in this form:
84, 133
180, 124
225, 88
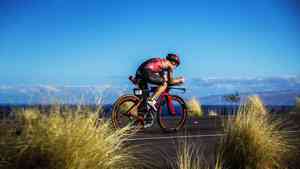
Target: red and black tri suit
152, 71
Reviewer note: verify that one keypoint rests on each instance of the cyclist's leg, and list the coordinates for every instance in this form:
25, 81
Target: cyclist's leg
159, 91
142, 84
142, 80
158, 80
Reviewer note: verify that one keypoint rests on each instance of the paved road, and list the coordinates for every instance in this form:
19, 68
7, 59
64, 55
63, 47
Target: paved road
204, 134
158, 147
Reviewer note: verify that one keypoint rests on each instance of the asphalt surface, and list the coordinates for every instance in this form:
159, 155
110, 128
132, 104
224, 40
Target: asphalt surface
160, 148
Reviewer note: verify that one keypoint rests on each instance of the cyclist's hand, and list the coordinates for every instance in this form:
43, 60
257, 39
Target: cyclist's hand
181, 80
178, 80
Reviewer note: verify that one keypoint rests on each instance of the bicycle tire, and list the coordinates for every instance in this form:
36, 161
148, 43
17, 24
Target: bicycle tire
116, 108
183, 117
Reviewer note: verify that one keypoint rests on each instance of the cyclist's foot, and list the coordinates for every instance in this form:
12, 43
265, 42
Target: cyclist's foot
151, 103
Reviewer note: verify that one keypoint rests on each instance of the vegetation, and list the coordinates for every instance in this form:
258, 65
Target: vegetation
212, 113
234, 98
190, 156
297, 106
78, 139
194, 108
65, 142
253, 140
254, 106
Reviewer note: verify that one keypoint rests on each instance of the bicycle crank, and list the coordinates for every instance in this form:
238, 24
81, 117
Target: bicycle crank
149, 118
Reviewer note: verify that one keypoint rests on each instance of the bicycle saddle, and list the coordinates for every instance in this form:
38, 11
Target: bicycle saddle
134, 80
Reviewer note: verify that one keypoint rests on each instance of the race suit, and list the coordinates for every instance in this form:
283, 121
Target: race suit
152, 71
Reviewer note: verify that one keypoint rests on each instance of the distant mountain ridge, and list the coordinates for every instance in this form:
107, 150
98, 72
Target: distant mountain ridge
273, 90
277, 98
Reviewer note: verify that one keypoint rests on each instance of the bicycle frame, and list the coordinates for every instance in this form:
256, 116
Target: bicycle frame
138, 112
166, 96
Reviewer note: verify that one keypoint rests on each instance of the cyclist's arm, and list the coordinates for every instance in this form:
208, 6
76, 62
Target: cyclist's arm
171, 79
170, 76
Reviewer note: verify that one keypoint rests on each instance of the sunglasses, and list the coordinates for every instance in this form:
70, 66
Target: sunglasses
174, 63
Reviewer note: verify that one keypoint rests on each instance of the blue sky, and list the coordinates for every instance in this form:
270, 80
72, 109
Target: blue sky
87, 42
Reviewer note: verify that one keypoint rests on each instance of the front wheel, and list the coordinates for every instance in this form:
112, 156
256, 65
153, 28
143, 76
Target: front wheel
172, 113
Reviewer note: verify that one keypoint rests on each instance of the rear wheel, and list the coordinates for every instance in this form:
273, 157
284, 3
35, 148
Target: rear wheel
125, 111
172, 122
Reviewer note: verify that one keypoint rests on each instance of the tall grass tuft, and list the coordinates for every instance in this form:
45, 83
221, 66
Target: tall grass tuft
187, 157
66, 142
295, 117
296, 110
253, 105
190, 156
253, 140
194, 108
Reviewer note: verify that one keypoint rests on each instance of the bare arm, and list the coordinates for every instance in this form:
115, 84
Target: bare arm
173, 81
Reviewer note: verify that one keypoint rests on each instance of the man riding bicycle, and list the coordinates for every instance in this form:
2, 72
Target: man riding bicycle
140, 109
153, 71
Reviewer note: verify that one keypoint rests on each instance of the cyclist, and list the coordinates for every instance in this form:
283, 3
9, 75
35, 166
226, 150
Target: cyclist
158, 71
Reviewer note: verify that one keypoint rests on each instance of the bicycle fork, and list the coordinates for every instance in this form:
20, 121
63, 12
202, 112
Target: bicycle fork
170, 106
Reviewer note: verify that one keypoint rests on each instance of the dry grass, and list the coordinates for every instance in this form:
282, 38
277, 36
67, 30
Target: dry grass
194, 108
253, 105
253, 140
295, 117
296, 110
67, 139
66, 142
190, 156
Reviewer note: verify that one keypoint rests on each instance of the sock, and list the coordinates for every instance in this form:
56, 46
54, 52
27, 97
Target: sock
153, 98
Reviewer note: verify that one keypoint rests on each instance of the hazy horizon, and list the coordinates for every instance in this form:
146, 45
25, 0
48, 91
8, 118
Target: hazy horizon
279, 91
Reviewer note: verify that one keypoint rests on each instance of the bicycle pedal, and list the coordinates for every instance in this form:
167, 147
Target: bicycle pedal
148, 120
